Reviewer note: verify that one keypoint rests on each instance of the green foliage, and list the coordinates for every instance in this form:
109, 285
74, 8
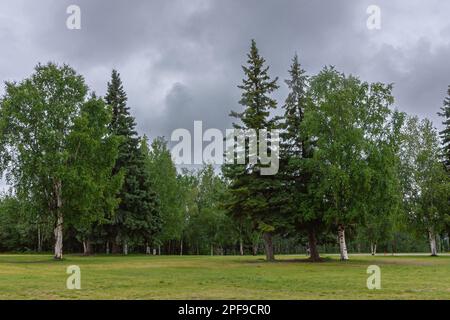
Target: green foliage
138, 214
252, 194
50, 138
345, 119
445, 133
424, 179
164, 179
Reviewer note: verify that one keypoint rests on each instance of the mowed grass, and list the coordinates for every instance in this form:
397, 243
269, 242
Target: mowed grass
223, 277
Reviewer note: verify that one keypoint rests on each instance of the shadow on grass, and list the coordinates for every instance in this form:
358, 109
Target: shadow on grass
305, 260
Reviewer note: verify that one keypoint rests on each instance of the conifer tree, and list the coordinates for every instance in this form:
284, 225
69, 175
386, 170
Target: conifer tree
293, 153
252, 194
445, 133
138, 213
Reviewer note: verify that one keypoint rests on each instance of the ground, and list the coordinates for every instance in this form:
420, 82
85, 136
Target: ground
224, 277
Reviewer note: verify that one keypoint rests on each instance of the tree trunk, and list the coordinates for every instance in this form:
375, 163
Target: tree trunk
432, 238
125, 248
312, 240
255, 249
159, 250
212, 249
107, 247
373, 248
59, 222
87, 247
241, 247
39, 246
342, 245
115, 246
181, 247
268, 246
147, 249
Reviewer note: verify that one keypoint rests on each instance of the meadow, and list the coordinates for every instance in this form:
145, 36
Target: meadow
223, 277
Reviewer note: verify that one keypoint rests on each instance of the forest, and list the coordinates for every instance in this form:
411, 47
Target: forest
355, 173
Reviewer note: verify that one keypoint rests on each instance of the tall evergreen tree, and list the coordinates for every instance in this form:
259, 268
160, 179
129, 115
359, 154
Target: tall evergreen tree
445, 133
294, 151
138, 208
251, 192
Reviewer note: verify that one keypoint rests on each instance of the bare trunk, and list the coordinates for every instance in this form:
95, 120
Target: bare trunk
432, 238
212, 249
147, 250
87, 247
268, 246
125, 248
115, 246
314, 253
39, 246
107, 247
159, 250
255, 249
342, 245
181, 247
373, 248
59, 222
241, 247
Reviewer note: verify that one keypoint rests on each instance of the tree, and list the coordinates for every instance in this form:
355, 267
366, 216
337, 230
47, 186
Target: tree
164, 179
343, 117
445, 133
384, 201
138, 213
252, 193
425, 181
295, 148
43, 151
144, 223
93, 195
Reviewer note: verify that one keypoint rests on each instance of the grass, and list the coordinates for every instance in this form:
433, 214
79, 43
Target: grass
223, 277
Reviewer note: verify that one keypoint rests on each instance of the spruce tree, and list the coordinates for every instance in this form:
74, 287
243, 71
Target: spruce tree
137, 216
252, 194
293, 153
445, 134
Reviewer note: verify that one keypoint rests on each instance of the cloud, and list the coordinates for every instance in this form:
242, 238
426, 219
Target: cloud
181, 60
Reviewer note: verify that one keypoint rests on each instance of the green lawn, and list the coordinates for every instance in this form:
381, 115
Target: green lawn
230, 277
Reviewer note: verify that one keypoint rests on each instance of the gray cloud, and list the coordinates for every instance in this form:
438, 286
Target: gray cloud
180, 60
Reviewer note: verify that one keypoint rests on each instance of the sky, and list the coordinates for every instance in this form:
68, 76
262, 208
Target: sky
180, 60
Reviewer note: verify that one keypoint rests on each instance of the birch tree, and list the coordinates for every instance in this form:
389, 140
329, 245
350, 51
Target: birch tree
43, 155
425, 181
345, 119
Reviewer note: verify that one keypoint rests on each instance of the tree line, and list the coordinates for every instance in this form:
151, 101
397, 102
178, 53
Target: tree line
354, 173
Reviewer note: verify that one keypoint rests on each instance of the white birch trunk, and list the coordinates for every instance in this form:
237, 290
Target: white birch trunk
147, 249
125, 248
432, 238
59, 222
373, 248
241, 247
342, 245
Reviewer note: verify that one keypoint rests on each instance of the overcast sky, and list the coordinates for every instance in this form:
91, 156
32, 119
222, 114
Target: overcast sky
180, 60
